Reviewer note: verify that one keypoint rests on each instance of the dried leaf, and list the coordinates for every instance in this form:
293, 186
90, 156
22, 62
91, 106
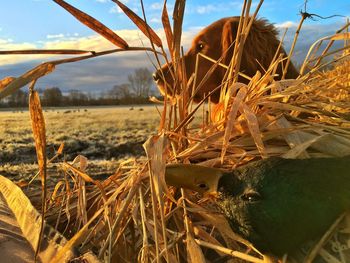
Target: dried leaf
178, 14
293, 138
140, 23
86, 177
167, 29
194, 252
254, 129
26, 78
155, 148
341, 36
17, 207
75, 240
39, 132
232, 118
5, 81
332, 144
60, 149
94, 24
298, 149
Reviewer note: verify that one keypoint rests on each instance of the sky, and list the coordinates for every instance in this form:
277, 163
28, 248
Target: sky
35, 24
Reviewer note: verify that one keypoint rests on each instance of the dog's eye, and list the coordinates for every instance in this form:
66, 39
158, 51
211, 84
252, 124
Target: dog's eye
251, 196
200, 46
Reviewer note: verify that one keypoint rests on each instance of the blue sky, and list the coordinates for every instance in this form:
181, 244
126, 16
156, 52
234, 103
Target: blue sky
44, 24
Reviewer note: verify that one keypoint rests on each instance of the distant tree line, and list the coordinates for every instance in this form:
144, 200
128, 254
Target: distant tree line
137, 90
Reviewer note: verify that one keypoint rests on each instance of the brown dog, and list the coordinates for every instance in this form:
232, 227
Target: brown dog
216, 41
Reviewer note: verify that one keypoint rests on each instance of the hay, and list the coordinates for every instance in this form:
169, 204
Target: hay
133, 217
142, 220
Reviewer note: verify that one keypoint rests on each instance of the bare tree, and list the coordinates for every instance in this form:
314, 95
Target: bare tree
120, 91
141, 82
77, 98
18, 99
52, 97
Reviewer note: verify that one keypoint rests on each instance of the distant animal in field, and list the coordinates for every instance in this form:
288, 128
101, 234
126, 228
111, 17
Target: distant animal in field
217, 41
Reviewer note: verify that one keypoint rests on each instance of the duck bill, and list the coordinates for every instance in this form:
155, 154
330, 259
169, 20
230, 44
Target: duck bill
198, 178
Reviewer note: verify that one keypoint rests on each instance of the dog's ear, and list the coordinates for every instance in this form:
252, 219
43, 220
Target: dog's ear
229, 34
259, 48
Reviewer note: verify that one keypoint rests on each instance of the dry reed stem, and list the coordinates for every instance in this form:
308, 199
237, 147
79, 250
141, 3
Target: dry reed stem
45, 51
296, 35
315, 250
330, 43
317, 44
230, 252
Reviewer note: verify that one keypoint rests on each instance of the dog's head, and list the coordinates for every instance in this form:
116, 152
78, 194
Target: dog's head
217, 42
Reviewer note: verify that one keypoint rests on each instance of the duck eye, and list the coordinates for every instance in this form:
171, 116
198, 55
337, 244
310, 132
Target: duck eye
251, 196
203, 186
200, 46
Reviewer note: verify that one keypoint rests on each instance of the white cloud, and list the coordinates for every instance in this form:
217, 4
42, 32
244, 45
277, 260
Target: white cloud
215, 8
206, 9
136, 38
115, 10
93, 42
157, 6
286, 24
156, 20
55, 36
4, 41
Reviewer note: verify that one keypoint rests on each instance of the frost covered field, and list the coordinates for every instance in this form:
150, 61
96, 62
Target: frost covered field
103, 135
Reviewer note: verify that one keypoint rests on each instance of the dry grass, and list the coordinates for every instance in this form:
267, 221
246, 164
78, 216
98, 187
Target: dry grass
133, 217
97, 133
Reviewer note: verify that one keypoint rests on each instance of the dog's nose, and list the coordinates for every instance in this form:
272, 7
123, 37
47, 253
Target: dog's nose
156, 76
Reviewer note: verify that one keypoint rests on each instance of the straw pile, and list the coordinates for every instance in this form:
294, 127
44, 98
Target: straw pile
133, 217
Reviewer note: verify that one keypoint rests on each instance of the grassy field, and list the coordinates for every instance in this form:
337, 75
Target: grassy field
103, 135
